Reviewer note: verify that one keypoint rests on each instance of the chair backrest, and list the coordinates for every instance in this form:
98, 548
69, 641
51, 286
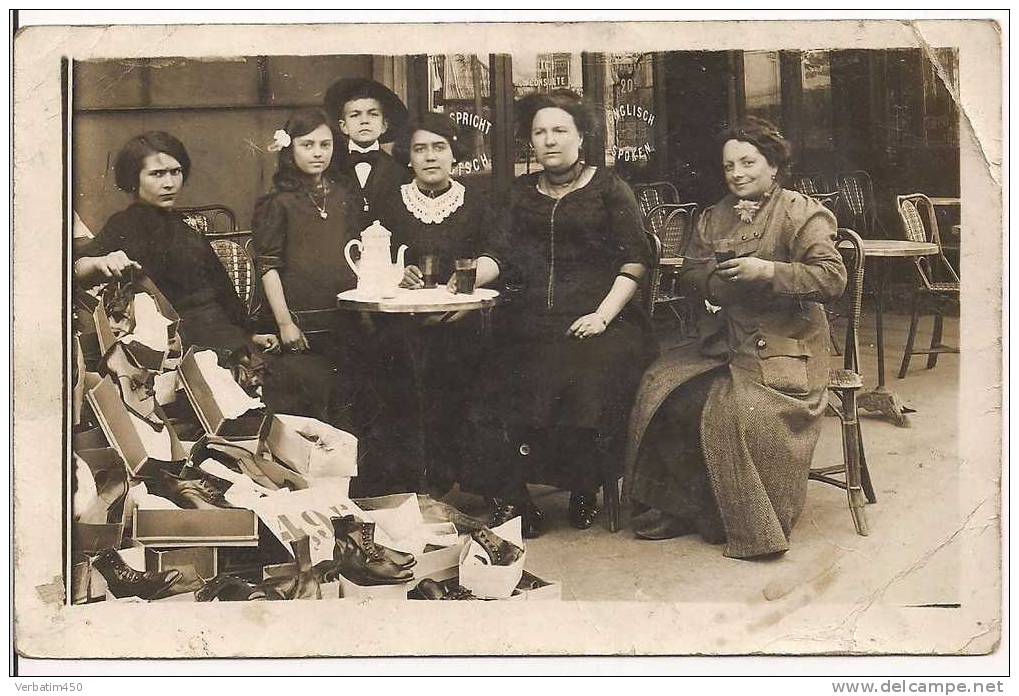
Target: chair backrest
920, 224
649, 289
211, 220
855, 205
239, 267
809, 184
677, 229
856, 201
654, 221
850, 246
654, 194
829, 199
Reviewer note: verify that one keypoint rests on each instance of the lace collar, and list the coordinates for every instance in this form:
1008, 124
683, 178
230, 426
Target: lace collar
432, 211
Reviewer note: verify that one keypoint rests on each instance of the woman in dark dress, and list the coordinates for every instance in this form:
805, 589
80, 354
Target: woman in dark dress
574, 342
723, 431
180, 261
300, 229
441, 218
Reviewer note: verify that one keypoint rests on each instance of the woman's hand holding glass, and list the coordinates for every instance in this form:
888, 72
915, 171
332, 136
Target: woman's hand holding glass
293, 338
413, 278
746, 269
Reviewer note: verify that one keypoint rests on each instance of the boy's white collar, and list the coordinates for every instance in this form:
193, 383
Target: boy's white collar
354, 147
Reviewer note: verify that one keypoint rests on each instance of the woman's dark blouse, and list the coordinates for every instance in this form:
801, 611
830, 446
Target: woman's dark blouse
307, 251
455, 237
567, 253
179, 260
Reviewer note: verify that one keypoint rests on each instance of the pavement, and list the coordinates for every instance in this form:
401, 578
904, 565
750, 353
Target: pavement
909, 561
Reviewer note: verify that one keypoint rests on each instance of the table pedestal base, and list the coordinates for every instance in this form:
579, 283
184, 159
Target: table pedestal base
886, 402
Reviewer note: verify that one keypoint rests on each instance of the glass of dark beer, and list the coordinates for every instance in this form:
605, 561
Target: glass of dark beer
430, 270
466, 275
724, 249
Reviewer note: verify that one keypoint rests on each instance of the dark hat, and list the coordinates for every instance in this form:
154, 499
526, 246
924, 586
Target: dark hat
350, 88
440, 124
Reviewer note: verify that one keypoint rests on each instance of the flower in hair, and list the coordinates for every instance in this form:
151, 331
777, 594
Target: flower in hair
280, 140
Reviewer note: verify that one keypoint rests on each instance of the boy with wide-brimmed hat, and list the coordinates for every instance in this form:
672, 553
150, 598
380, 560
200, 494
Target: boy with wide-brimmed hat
368, 113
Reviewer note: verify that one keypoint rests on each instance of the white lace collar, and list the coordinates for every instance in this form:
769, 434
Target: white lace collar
432, 211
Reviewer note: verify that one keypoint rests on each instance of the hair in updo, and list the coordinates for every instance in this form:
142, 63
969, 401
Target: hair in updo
565, 99
128, 165
765, 136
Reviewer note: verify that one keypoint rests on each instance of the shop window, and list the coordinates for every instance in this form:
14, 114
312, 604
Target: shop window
629, 109
542, 72
940, 83
459, 86
817, 100
763, 85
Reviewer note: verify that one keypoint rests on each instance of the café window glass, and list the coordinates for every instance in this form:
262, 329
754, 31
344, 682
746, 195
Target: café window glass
817, 105
542, 72
459, 85
629, 109
763, 85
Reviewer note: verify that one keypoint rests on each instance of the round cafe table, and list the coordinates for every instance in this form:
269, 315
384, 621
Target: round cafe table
884, 251
436, 302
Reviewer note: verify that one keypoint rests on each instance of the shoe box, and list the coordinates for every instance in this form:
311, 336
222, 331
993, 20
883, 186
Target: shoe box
211, 407
310, 447
175, 528
143, 355
136, 440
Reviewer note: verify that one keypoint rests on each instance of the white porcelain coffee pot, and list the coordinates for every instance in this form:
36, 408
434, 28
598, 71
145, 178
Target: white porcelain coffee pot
377, 275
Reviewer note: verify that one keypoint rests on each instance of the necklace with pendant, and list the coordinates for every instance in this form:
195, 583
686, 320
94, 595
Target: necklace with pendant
321, 208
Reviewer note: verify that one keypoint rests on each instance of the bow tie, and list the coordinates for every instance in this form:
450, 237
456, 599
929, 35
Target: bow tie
368, 157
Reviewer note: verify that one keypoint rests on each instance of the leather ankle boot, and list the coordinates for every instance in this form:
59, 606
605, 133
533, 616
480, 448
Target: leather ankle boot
304, 583
229, 588
583, 510
124, 581
531, 517
361, 560
192, 491
500, 551
430, 589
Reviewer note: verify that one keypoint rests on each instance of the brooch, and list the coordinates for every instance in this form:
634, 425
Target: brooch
747, 209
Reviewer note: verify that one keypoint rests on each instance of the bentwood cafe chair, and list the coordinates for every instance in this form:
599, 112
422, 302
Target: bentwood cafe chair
938, 282
651, 195
852, 474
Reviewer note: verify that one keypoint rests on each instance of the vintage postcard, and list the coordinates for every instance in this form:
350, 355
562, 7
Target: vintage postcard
634, 338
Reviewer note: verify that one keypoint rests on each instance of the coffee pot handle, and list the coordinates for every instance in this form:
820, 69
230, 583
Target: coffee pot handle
346, 254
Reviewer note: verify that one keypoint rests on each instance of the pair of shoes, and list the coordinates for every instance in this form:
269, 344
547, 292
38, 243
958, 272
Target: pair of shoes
364, 562
429, 589
531, 517
500, 551
124, 581
229, 588
583, 510
664, 526
190, 491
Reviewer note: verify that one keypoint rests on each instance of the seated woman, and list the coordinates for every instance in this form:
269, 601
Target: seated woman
574, 342
153, 167
440, 220
723, 433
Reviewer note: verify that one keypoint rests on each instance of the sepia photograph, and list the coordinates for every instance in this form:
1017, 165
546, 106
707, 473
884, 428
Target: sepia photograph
661, 325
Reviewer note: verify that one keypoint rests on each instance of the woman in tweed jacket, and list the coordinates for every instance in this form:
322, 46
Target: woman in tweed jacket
723, 432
